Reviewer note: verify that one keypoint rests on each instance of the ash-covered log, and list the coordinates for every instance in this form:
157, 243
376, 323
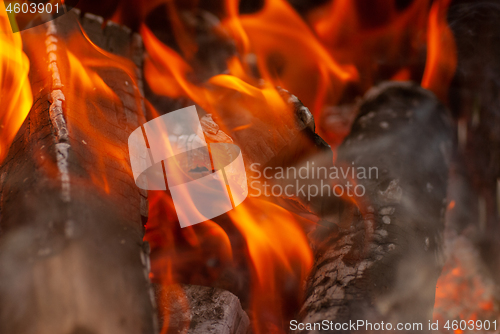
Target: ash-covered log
72, 258
381, 258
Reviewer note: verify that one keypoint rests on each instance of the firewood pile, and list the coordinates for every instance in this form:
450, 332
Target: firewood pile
370, 151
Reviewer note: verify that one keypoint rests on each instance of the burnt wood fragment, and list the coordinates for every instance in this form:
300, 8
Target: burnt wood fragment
194, 309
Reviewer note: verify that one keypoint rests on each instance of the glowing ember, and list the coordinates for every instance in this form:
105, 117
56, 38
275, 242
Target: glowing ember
279, 264
289, 54
441, 53
86, 88
317, 59
464, 291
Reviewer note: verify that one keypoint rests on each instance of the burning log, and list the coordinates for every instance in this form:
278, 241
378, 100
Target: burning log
381, 259
199, 309
72, 258
268, 131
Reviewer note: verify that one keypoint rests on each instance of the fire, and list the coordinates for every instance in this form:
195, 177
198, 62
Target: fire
200, 254
183, 248
195, 254
15, 89
85, 87
165, 70
167, 74
441, 53
336, 49
384, 43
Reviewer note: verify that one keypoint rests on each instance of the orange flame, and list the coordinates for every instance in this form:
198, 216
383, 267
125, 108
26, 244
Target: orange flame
380, 43
317, 59
279, 252
15, 89
462, 293
195, 254
441, 52
314, 62
288, 53
167, 74
183, 255
270, 252
85, 88
343, 46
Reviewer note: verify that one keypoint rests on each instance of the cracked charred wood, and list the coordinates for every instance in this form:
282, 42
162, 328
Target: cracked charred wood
380, 260
194, 309
72, 258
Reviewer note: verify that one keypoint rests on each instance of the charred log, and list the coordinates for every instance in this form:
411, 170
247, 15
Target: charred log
197, 309
380, 261
72, 257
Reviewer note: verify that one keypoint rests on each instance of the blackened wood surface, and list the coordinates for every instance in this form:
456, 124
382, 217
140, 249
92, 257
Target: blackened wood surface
74, 262
381, 260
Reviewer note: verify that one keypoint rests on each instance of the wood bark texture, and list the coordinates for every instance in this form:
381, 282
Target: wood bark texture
381, 257
72, 260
